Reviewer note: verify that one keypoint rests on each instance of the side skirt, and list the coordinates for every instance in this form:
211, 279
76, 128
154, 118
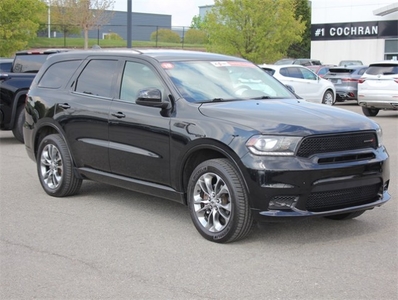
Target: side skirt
136, 185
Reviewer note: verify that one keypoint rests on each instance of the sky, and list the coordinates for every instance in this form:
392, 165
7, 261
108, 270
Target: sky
181, 11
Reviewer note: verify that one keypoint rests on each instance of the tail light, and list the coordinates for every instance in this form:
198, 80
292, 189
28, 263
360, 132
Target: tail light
349, 80
361, 80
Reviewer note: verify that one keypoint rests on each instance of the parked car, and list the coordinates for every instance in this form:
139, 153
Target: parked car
378, 88
5, 64
346, 63
320, 70
14, 86
345, 80
213, 132
284, 61
306, 62
305, 83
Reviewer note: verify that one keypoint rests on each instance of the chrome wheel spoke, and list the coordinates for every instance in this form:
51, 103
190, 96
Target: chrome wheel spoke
51, 166
211, 202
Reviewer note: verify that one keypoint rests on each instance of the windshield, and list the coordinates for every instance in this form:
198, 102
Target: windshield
203, 81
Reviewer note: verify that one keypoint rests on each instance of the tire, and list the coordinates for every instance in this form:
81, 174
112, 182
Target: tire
370, 112
218, 202
17, 131
346, 216
55, 168
328, 98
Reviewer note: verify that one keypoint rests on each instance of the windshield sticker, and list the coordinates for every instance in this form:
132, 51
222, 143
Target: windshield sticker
232, 63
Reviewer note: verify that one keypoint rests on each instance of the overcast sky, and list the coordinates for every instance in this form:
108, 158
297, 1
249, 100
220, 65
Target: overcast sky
181, 11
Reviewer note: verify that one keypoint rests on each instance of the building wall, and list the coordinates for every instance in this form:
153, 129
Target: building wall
142, 25
350, 29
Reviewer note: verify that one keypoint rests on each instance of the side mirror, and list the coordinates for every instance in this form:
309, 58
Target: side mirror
151, 97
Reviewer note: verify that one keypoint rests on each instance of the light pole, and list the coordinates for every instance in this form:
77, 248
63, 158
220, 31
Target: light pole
49, 19
129, 12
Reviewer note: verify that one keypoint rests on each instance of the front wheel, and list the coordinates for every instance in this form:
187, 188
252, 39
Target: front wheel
218, 202
55, 167
370, 112
328, 98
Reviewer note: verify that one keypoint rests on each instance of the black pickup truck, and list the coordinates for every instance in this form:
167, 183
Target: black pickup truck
15, 84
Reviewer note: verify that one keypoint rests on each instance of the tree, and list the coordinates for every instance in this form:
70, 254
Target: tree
303, 48
86, 14
196, 22
258, 30
19, 22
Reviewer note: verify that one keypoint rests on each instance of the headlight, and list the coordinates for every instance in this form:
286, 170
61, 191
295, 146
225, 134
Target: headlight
379, 136
273, 145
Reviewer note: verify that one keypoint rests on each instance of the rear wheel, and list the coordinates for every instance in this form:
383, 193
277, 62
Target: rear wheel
218, 202
55, 167
370, 112
346, 216
328, 98
17, 131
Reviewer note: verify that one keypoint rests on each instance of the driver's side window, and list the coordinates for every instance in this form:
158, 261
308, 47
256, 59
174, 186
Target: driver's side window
136, 77
307, 74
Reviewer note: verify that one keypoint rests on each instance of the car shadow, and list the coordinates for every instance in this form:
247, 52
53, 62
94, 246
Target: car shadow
290, 233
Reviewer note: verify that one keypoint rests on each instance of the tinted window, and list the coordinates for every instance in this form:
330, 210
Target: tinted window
307, 74
136, 77
291, 72
28, 63
5, 66
96, 78
383, 69
58, 73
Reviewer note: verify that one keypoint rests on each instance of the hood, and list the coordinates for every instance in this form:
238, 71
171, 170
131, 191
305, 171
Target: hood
291, 117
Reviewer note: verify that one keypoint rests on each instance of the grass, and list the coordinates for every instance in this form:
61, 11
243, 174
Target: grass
44, 42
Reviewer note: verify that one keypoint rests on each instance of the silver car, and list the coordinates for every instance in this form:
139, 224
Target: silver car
345, 80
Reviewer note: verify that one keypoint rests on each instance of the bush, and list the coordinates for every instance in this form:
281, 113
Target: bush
165, 35
113, 36
195, 36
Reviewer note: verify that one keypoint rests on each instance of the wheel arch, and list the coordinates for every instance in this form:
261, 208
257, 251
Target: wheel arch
202, 151
46, 129
19, 99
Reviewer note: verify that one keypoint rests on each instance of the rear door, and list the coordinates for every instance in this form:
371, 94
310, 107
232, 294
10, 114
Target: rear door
84, 113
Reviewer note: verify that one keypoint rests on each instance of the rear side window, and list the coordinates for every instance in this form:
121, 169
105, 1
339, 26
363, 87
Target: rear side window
96, 78
382, 69
28, 63
58, 73
292, 72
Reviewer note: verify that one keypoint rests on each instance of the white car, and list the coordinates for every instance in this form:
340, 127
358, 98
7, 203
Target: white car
378, 88
305, 83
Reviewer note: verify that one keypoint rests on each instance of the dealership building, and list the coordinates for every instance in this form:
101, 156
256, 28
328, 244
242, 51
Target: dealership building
365, 30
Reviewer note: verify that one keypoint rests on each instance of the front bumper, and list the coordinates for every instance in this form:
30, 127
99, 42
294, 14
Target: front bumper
303, 188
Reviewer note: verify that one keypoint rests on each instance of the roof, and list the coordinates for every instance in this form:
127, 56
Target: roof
158, 54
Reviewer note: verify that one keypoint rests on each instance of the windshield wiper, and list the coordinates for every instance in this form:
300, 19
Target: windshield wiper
218, 100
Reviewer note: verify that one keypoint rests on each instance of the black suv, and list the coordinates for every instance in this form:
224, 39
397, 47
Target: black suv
210, 131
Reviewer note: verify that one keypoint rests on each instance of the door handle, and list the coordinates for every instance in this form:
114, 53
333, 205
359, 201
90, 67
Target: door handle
119, 115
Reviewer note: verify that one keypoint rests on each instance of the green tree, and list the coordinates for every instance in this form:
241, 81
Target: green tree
197, 22
258, 30
19, 22
303, 48
195, 36
165, 35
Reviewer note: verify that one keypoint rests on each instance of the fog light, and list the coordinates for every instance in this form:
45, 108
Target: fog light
283, 202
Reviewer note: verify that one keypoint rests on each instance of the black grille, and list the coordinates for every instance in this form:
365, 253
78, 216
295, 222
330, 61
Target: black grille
329, 200
333, 143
